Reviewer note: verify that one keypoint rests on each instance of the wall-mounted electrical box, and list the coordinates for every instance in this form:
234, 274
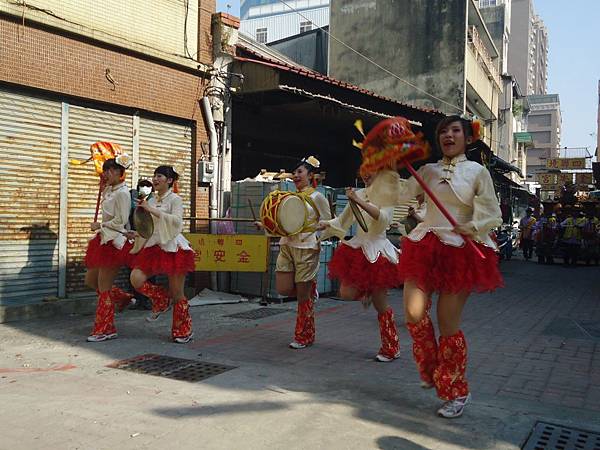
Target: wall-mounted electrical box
206, 172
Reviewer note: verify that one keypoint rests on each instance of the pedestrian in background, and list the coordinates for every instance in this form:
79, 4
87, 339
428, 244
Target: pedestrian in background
526, 226
144, 190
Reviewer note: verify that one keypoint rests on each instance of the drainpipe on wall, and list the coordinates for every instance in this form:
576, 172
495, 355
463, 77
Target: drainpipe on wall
214, 194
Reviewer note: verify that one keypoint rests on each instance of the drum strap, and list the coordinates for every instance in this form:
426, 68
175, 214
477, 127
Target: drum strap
306, 196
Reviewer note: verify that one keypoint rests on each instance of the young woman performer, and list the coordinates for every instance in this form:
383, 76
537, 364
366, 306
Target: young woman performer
108, 250
165, 252
298, 261
367, 264
435, 258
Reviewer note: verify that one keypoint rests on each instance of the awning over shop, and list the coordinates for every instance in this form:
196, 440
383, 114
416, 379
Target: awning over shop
284, 111
482, 153
501, 179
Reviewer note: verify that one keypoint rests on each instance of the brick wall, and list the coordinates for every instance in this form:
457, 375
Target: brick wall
167, 26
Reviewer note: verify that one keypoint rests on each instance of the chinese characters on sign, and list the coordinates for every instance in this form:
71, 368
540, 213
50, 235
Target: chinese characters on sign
229, 253
550, 179
565, 163
584, 178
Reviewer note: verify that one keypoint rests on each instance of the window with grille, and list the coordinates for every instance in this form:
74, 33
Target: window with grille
305, 26
261, 35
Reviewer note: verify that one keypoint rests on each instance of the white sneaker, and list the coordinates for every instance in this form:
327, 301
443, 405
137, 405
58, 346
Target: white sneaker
153, 317
297, 345
101, 337
382, 358
183, 340
426, 385
454, 408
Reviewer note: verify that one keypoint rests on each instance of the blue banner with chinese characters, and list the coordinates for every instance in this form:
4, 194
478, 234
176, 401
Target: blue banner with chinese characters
230, 252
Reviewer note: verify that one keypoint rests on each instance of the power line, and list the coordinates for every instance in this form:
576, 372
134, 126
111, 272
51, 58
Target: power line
379, 66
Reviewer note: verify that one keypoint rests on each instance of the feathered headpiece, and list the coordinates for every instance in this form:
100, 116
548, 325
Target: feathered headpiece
388, 143
101, 152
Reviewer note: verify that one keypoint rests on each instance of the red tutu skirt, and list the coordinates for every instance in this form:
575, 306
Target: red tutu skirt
107, 255
438, 267
154, 261
351, 267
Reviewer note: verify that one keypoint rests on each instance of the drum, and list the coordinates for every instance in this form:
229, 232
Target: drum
283, 213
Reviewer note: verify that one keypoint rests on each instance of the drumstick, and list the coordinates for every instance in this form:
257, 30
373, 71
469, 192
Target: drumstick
358, 215
124, 233
331, 205
441, 207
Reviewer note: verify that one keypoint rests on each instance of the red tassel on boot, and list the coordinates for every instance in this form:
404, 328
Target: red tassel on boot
159, 298
304, 334
449, 376
390, 345
120, 298
104, 325
424, 348
181, 327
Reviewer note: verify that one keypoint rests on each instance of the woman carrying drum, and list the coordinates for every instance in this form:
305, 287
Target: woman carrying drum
108, 250
166, 251
298, 260
367, 264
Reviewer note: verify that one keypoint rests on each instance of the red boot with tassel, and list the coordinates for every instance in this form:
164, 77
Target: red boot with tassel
120, 298
181, 328
159, 298
425, 349
390, 344
449, 375
104, 325
304, 334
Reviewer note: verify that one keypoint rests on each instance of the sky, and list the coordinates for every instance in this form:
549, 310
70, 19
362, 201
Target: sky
573, 63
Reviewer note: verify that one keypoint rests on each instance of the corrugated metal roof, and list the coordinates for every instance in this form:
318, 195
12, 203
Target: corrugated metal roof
269, 57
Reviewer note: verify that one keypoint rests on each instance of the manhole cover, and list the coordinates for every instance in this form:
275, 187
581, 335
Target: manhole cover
548, 436
170, 367
259, 313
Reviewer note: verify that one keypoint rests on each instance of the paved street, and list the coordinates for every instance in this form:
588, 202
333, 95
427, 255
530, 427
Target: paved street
534, 355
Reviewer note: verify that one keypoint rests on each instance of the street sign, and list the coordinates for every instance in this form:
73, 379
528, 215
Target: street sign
229, 252
545, 178
564, 178
549, 187
584, 178
554, 178
565, 163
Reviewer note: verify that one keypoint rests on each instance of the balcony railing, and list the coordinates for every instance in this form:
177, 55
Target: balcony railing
483, 56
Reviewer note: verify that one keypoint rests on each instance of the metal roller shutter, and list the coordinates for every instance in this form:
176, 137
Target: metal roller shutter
87, 126
29, 197
167, 143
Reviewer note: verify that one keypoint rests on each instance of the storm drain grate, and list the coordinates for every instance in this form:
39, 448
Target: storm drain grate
170, 367
259, 313
548, 436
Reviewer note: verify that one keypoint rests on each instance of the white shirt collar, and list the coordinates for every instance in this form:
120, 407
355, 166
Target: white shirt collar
453, 161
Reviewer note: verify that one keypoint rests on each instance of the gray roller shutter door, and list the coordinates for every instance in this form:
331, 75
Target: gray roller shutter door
29, 197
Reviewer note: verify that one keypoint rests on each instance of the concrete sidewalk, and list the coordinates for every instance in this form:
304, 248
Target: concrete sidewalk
534, 355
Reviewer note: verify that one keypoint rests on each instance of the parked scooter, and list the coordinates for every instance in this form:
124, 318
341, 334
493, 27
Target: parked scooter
505, 237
